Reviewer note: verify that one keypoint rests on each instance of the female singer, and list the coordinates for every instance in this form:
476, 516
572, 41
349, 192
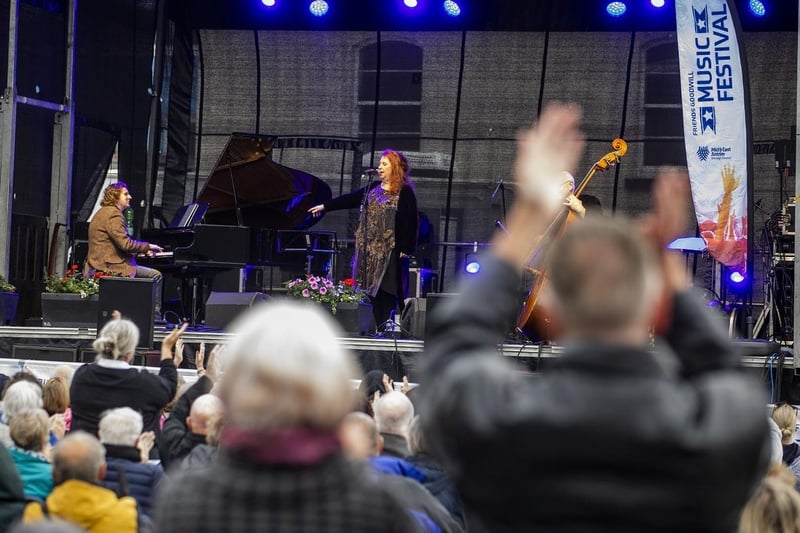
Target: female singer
386, 234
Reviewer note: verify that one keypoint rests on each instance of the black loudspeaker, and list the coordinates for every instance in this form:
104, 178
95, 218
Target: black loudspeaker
222, 308
43, 353
134, 298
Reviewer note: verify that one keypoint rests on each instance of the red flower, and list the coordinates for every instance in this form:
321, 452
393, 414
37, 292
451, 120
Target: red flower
349, 282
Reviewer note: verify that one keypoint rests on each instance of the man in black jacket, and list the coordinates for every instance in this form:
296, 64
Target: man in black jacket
186, 426
616, 436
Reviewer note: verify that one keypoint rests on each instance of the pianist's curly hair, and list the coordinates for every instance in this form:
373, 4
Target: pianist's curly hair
399, 176
112, 192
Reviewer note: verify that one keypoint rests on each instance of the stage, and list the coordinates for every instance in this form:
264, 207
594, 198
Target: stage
395, 356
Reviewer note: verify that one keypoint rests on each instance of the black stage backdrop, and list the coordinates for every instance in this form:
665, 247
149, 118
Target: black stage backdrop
454, 103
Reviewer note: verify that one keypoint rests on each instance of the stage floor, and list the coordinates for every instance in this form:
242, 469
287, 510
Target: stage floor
397, 357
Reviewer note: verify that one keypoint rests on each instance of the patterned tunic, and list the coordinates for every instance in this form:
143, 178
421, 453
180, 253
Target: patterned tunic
379, 220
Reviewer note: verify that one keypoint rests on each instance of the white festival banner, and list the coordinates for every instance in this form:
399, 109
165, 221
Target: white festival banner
714, 125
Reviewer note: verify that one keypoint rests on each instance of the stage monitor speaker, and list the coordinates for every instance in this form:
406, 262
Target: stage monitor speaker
222, 308
43, 353
135, 299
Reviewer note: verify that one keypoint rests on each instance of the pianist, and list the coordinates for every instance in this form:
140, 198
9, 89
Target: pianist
111, 248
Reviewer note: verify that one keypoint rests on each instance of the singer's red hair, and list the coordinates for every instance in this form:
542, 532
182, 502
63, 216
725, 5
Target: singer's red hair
399, 175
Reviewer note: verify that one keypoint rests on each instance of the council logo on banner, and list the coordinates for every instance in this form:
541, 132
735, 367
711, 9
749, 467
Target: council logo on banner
702, 153
708, 119
701, 20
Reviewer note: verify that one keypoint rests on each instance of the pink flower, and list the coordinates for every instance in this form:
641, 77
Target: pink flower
323, 290
291, 284
328, 283
305, 293
314, 285
313, 279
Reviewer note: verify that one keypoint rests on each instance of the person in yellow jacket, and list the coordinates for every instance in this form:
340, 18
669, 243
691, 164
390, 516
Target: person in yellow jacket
78, 466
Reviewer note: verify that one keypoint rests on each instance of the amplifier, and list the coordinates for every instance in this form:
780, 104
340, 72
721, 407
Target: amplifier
786, 224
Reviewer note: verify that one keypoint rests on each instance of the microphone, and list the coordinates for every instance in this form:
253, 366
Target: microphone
371, 171
496, 189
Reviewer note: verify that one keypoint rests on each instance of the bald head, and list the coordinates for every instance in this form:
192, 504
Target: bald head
359, 436
393, 413
79, 456
203, 409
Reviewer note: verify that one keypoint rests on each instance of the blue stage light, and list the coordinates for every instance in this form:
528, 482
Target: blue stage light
452, 8
758, 8
657, 3
737, 277
268, 3
410, 3
472, 266
318, 7
616, 9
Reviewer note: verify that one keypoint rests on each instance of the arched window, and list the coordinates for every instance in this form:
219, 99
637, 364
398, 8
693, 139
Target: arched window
400, 96
663, 127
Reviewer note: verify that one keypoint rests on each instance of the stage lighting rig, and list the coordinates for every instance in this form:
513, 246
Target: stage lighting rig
318, 8
616, 9
758, 8
452, 8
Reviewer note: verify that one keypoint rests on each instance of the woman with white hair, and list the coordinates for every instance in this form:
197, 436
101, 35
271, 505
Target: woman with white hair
286, 388
126, 455
30, 429
19, 396
112, 382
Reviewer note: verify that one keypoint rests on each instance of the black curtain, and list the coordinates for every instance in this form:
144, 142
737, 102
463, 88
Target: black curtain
179, 118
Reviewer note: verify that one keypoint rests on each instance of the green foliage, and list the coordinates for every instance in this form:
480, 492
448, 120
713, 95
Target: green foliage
6, 286
74, 282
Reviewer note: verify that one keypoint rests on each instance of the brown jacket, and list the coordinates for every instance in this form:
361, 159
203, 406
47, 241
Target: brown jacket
111, 249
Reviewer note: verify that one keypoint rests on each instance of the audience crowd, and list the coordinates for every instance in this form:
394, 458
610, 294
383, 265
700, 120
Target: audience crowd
621, 433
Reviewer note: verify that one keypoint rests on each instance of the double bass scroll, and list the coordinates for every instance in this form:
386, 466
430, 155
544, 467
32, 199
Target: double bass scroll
535, 321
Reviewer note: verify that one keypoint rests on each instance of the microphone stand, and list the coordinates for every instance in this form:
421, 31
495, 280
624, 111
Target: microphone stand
363, 211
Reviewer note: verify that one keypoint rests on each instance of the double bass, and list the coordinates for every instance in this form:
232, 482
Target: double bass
535, 321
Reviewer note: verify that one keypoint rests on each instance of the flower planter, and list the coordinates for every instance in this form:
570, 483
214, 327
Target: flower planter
355, 319
8, 307
65, 310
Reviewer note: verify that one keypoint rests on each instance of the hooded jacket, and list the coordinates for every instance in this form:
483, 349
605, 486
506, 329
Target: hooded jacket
92, 507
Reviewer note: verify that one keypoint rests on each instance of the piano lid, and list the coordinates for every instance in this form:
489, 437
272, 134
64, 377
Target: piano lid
269, 195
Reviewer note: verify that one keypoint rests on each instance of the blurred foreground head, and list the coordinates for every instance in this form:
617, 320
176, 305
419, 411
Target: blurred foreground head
604, 278
285, 368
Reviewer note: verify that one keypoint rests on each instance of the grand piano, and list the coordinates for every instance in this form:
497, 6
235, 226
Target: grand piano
247, 200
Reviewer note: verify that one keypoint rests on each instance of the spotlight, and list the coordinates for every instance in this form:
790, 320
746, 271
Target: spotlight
737, 277
452, 8
410, 3
657, 3
616, 9
758, 8
318, 7
268, 3
471, 264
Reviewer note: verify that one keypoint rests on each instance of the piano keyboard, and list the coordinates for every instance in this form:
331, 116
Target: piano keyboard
157, 255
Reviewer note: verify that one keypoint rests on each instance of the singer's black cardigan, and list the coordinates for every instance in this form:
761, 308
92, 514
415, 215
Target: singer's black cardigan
406, 227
